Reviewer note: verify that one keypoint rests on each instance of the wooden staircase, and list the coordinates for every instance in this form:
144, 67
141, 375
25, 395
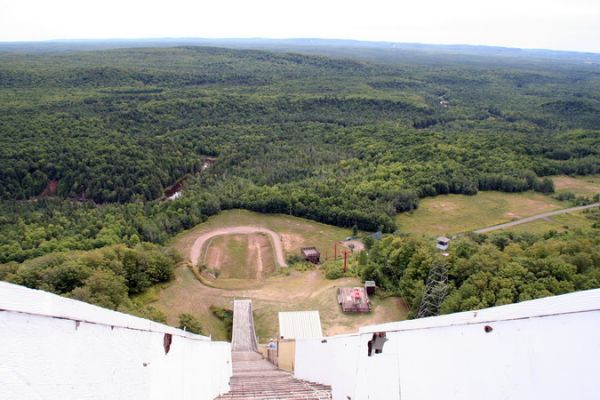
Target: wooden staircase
257, 379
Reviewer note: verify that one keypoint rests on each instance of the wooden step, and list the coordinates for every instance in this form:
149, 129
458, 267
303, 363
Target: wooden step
257, 379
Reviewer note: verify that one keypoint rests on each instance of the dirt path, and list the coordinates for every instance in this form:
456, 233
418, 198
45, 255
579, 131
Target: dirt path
244, 230
259, 263
536, 217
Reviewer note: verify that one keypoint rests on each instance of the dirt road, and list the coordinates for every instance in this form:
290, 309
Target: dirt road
536, 217
244, 230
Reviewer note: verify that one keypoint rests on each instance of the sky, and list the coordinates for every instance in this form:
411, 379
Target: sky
548, 24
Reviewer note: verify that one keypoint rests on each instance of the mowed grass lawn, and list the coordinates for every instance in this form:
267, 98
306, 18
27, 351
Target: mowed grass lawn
559, 223
451, 214
295, 232
237, 256
580, 185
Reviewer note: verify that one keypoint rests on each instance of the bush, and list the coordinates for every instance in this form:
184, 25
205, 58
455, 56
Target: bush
368, 241
147, 312
564, 196
293, 259
302, 266
189, 323
334, 270
546, 185
226, 316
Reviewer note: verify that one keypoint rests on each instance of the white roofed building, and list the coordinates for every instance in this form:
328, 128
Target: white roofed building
300, 325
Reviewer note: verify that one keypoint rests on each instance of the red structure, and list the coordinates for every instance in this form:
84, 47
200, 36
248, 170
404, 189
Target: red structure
354, 299
345, 261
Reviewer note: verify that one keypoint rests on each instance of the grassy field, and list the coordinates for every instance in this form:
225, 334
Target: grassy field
581, 185
558, 223
240, 256
299, 291
451, 214
295, 232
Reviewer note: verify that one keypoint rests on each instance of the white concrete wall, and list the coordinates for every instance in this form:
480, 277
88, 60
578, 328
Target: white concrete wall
543, 349
56, 348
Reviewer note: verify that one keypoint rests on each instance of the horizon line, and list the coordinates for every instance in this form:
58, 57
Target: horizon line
257, 38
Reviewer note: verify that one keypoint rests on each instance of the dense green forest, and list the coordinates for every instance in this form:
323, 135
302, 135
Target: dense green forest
90, 141
109, 277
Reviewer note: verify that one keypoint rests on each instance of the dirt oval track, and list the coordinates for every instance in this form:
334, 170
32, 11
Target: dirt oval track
275, 240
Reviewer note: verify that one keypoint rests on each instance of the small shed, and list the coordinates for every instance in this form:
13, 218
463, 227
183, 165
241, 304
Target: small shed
442, 243
354, 299
370, 287
311, 254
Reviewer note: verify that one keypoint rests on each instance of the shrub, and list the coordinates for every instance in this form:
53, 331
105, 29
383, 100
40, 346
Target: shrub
189, 323
302, 266
226, 316
293, 259
333, 270
564, 196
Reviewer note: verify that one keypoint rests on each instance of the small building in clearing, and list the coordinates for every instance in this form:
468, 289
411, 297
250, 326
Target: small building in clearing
442, 243
311, 254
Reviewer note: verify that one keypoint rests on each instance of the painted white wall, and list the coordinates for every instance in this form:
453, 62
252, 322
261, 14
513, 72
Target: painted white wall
542, 349
57, 348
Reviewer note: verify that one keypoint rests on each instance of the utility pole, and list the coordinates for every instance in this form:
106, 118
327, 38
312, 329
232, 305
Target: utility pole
345, 261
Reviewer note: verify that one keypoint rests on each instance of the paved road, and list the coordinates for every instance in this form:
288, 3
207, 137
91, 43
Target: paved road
245, 230
536, 217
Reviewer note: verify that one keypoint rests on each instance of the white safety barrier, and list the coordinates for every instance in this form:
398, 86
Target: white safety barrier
541, 349
57, 348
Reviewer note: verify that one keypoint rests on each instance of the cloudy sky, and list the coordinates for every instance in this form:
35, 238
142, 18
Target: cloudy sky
550, 24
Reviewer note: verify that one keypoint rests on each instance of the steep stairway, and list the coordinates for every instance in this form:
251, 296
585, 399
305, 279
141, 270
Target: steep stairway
243, 337
255, 378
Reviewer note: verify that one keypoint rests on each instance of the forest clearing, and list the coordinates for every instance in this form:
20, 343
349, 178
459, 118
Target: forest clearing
454, 213
241, 256
579, 185
299, 291
294, 232
240, 276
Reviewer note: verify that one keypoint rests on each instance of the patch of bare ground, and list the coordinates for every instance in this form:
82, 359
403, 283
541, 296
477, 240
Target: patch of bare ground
296, 292
50, 189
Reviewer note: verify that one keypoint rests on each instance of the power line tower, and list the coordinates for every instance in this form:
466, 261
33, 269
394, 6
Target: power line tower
435, 291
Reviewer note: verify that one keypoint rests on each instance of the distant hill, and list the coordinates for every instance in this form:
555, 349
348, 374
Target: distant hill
310, 45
